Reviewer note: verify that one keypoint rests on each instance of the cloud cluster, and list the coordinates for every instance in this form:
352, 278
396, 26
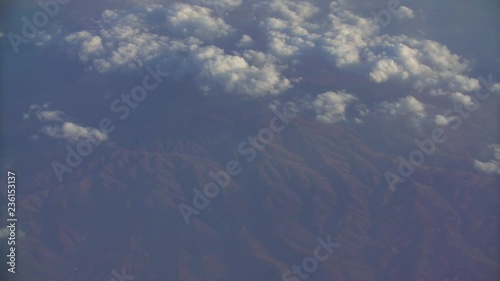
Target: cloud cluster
60, 128
196, 21
353, 42
287, 30
234, 74
228, 55
345, 36
180, 34
423, 64
123, 41
43, 113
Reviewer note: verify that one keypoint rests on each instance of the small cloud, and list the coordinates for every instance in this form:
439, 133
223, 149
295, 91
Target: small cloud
496, 88
405, 106
405, 13
4, 233
362, 110
461, 98
492, 167
65, 130
488, 168
245, 41
36, 106
50, 115
221, 7
74, 132
330, 107
197, 21
442, 120
35, 109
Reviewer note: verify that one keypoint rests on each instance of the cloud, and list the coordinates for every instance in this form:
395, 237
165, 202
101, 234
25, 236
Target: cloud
496, 88
43, 113
330, 107
245, 41
408, 106
404, 13
4, 233
442, 120
345, 35
488, 168
92, 45
362, 110
287, 39
221, 7
386, 68
235, 75
194, 39
74, 132
409, 109
491, 167
63, 129
126, 40
50, 115
425, 65
37, 106
354, 43
462, 99
292, 11
196, 21
288, 32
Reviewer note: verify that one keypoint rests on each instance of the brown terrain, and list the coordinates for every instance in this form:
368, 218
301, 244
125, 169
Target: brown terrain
119, 208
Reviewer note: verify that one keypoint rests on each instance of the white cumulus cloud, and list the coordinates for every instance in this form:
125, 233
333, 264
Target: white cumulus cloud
405, 106
73, 132
330, 107
196, 21
236, 75
491, 167
405, 13
61, 128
